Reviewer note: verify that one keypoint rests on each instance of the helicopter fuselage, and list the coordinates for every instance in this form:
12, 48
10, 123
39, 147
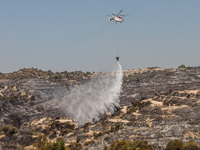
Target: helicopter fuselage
116, 19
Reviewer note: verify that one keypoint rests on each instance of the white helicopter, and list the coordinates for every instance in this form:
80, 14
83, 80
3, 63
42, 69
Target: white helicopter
117, 18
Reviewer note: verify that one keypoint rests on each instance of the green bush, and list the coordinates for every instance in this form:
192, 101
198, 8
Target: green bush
96, 135
75, 146
58, 125
116, 127
128, 145
86, 127
9, 130
69, 126
5, 98
142, 145
179, 145
66, 131
121, 145
122, 116
59, 144
131, 110
43, 144
175, 145
191, 145
88, 142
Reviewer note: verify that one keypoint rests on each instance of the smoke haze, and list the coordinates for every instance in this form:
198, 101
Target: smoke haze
96, 97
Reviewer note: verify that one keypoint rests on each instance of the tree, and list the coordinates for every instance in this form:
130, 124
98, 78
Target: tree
175, 145
181, 66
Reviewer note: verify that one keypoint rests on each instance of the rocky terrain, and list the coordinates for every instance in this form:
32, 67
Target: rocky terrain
158, 105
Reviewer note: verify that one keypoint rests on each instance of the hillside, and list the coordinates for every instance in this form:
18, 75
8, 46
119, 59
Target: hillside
158, 105
65, 78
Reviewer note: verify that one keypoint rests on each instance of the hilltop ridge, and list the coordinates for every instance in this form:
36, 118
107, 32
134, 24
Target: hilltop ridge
158, 105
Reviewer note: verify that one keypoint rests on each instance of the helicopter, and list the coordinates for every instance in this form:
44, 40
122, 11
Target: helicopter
117, 18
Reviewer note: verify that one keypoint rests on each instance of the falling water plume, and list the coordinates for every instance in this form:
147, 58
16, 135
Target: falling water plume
96, 97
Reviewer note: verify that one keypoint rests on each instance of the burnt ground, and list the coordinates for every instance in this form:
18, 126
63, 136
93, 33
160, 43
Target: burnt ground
157, 106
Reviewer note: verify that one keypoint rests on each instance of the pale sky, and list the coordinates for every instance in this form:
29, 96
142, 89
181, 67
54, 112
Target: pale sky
68, 35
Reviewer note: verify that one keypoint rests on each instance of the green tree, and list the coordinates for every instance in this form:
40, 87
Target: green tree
59, 144
181, 66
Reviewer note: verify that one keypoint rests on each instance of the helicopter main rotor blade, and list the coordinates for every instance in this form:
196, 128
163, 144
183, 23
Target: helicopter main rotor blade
119, 12
114, 15
124, 15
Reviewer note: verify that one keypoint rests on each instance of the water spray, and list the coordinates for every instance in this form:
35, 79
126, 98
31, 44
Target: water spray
89, 101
